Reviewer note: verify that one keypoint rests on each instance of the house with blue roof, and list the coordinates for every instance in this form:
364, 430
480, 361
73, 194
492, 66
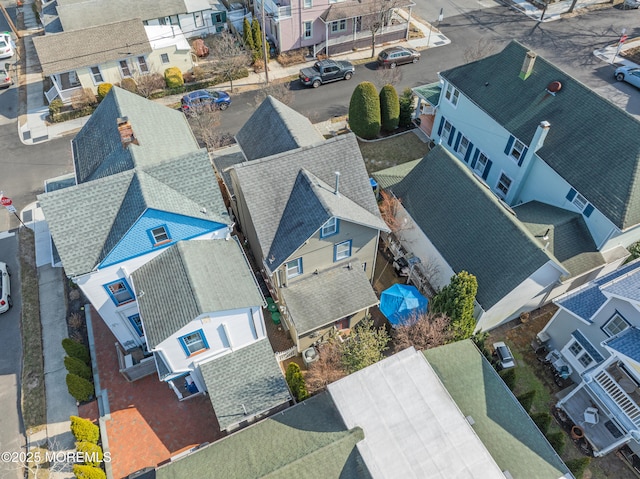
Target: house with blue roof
141, 183
595, 337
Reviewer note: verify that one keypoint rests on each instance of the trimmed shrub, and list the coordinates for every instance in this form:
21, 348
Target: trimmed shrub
173, 77
509, 377
406, 107
92, 453
77, 367
578, 466
76, 350
84, 430
256, 32
88, 472
79, 388
103, 90
526, 399
247, 35
557, 440
542, 420
296, 382
364, 111
389, 108
129, 84
55, 106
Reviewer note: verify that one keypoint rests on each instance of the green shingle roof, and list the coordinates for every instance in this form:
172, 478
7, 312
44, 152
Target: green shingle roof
307, 441
592, 144
390, 177
506, 430
245, 383
430, 92
189, 279
470, 226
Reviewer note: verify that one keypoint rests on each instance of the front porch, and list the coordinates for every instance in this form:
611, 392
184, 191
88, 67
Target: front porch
64, 86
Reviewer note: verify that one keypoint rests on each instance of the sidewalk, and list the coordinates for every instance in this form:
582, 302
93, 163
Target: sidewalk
33, 127
611, 53
554, 10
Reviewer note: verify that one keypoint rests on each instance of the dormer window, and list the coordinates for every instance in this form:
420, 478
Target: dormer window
615, 325
329, 228
159, 235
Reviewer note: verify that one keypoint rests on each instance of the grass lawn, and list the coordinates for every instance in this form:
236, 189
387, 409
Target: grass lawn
382, 154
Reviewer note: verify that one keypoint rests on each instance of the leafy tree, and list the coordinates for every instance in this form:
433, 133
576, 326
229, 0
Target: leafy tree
84, 430
578, 466
422, 332
364, 347
526, 399
406, 108
542, 420
634, 249
88, 472
389, 108
456, 300
256, 32
92, 453
77, 350
557, 441
103, 90
247, 35
79, 388
296, 382
78, 367
364, 111
480, 340
228, 57
509, 377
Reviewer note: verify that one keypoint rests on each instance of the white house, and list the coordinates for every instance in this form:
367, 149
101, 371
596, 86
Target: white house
142, 183
595, 335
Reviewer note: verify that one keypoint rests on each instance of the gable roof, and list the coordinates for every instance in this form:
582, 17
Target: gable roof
311, 204
70, 50
98, 149
275, 128
594, 157
189, 279
412, 427
390, 177
324, 447
504, 427
268, 183
626, 343
470, 226
244, 383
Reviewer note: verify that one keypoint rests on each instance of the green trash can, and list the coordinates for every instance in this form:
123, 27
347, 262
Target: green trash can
273, 307
275, 317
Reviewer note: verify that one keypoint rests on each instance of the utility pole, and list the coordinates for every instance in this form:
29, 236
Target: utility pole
264, 44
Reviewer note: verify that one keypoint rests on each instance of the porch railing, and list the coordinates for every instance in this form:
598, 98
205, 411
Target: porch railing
64, 95
627, 405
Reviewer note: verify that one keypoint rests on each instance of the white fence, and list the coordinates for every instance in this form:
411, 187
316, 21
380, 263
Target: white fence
288, 353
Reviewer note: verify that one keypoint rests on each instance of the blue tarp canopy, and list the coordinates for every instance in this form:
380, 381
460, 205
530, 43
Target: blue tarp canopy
401, 303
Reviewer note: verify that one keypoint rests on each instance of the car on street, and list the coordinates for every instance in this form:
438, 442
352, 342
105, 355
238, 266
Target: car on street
325, 71
204, 99
631, 4
394, 56
5, 288
6, 45
503, 354
5, 79
628, 74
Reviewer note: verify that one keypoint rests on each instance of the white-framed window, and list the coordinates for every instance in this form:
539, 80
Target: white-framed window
142, 65
124, 68
342, 250
615, 325
575, 348
504, 183
198, 19
577, 355
446, 131
339, 26
580, 201
96, 74
329, 228
294, 268
585, 360
164, 58
451, 93
193, 342
307, 29
308, 4
517, 149
119, 292
481, 164
160, 235
463, 146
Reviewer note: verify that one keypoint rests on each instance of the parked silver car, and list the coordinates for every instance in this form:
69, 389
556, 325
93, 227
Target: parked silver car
503, 354
5, 288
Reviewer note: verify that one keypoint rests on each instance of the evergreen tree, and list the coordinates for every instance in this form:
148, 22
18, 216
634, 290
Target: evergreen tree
456, 300
406, 107
364, 347
389, 108
257, 38
364, 111
247, 35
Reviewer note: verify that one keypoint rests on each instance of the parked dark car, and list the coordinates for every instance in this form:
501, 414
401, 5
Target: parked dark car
326, 71
204, 99
394, 56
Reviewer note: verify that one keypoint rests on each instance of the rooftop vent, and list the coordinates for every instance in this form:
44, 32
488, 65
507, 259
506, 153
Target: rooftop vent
527, 65
470, 420
126, 132
554, 87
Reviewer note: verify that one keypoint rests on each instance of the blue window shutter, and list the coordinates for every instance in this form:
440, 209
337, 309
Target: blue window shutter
440, 126
184, 347
486, 169
572, 194
588, 210
507, 150
524, 153
475, 158
455, 145
453, 133
468, 154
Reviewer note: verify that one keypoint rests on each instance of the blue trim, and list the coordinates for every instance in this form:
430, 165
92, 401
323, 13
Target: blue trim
572, 194
153, 238
135, 324
476, 154
457, 143
335, 250
451, 135
127, 287
441, 125
524, 153
299, 260
507, 150
467, 155
487, 167
184, 345
335, 232
588, 210
587, 346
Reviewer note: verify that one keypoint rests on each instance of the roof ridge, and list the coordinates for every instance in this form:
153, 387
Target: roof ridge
180, 251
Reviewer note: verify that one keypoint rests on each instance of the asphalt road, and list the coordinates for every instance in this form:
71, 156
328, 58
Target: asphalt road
11, 428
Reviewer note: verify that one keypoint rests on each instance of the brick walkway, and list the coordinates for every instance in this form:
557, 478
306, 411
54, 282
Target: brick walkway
148, 424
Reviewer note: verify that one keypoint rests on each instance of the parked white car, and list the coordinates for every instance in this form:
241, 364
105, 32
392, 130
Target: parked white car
5, 288
6, 45
503, 355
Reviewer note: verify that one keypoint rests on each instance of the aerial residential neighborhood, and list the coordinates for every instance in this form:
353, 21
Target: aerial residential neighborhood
325, 239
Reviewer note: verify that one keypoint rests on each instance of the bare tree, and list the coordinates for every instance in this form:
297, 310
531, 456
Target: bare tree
327, 369
228, 55
388, 76
205, 123
389, 207
423, 331
279, 90
83, 98
380, 12
149, 83
483, 48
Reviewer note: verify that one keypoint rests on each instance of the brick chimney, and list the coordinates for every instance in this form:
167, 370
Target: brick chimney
527, 65
126, 132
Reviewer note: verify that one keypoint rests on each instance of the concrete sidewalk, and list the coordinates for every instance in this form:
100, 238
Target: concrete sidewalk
612, 53
554, 11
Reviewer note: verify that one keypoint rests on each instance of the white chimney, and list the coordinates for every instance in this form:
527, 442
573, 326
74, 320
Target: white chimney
337, 190
527, 65
539, 136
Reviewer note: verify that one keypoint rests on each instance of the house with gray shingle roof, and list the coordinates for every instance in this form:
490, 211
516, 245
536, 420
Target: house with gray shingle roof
201, 314
595, 335
81, 59
142, 183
